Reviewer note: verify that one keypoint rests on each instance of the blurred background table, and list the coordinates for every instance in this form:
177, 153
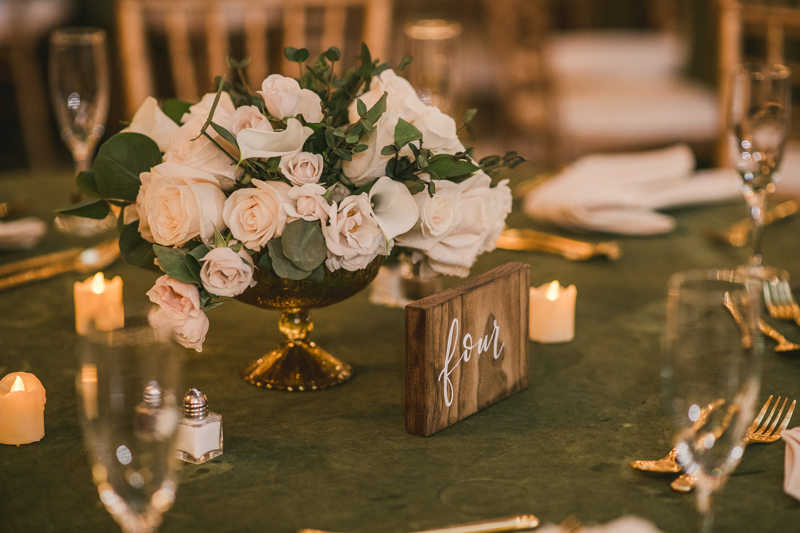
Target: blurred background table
340, 459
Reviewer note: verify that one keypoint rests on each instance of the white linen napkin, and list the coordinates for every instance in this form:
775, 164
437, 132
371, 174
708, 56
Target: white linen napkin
21, 234
791, 476
619, 193
626, 524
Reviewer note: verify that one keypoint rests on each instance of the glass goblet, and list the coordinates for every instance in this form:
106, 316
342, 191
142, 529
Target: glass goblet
129, 386
435, 48
712, 353
759, 119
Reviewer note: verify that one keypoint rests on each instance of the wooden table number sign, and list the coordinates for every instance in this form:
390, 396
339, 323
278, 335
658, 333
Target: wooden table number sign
466, 348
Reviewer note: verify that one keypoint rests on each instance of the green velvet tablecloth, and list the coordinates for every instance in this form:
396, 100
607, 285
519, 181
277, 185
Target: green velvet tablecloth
340, 459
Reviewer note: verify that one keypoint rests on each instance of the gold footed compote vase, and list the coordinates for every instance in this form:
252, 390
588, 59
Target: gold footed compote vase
298, 364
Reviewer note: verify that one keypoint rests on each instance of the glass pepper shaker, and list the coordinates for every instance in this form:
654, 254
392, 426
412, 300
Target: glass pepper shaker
199, 435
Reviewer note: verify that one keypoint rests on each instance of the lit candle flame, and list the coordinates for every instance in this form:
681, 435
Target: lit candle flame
18, 385
98, 283
552, 291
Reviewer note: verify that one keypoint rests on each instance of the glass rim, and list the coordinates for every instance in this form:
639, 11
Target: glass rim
145, 331
432, 29
728, 275
78, 35
764, 71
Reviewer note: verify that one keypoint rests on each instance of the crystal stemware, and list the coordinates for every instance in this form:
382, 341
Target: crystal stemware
434, 46
79, 90
129, 390
760, 112
711, 370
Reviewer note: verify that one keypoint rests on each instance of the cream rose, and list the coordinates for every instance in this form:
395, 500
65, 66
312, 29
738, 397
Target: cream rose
265, 144
284, 98
201, 109
370, 164
439, 132
247, 117
401, 98
179, 309
151, 121
188, 147
189, 333
306, 202
303, 168
177, 203
352, 234
437, 214
226, 273
257, 215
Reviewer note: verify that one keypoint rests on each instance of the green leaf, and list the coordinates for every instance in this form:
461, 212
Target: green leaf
470, 133
318, 274
282, 265
95, 208
347, 156
365, 70
134, 249
212, 305
193, 265
219, 240
172, 262
86, 184
361, 107
405, 133
225, 134
386, 150
333, 54
301, 55
415, 186
376, 111
119, 162
340, 132
404, 63
265, 261
366, 124
213, 109
470, 114
199, 252
289, 52
304, 244
360, 148
352, 138
175, 109
446, 166
329, 139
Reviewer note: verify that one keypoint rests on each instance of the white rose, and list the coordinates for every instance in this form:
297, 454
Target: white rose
438, 132
179, 309
303, 168
265, 144
370, 164
201, 109
151, 121
437, 215
189, 148
177, 203
247, 117
284, 98
352, 234
256, 215
226, 273
306, 202
401, 98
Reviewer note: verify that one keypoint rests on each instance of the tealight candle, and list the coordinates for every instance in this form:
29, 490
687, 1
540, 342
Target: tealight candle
552, 313
98, 293
22, 400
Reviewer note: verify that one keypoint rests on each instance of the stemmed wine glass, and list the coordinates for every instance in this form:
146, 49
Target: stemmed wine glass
79, 89
128, 386
712, 354
760, 112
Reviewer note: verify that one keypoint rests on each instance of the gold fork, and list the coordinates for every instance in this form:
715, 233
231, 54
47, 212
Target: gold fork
739, 233
763, 434
780, 301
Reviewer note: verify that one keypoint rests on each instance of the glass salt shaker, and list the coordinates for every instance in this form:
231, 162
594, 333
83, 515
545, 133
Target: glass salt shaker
199, 436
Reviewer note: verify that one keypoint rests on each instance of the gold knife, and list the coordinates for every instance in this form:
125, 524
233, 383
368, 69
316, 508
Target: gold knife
90, 259
536, 241
513, 523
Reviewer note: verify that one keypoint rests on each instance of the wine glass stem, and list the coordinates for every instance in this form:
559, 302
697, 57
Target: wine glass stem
706, 509
756, 204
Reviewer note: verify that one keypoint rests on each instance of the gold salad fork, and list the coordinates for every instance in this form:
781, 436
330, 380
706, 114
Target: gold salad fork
764, 434
779, 300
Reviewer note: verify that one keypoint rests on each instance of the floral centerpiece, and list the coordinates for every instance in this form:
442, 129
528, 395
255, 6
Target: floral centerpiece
303, 178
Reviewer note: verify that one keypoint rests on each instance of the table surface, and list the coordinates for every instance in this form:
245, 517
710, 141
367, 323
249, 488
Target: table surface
340, 459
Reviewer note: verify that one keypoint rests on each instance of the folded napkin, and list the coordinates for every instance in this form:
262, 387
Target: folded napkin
791, 476
21, 234
619, 193
626, 524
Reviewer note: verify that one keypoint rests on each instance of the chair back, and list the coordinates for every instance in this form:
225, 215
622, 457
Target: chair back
197, 36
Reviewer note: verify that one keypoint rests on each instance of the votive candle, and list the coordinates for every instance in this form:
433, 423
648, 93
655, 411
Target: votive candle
552, 313
22, 399
95, 294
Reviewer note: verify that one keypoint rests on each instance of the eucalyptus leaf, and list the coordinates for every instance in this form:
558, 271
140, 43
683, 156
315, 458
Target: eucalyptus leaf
347, 156
172, 262
304, 244
133, 248
333, 54
265, 261
175, 109
360, 148
301, 55
318, 274
352, 138
95, 208
282, 265
119, 162
86, 184
289, 52
386, 150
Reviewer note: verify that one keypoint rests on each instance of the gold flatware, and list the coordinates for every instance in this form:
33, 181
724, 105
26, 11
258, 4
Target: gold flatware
39, 261
779, 300
536, 241
90, 259
512, 523
783, 343
755, 434
739, 233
